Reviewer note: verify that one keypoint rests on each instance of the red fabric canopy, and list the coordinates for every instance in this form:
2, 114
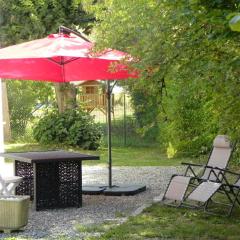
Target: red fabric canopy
60, 58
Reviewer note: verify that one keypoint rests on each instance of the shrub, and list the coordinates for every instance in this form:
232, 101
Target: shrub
73, 127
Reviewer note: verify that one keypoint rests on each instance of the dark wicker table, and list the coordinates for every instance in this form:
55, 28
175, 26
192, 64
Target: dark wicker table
53, 179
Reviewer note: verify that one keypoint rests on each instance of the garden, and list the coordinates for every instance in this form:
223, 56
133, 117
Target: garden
181, 90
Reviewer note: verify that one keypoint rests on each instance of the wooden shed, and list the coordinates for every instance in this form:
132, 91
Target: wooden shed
93, 96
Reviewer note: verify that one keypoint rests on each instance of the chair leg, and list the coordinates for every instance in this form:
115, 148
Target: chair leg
4, 189
233, 203
206, 205
13, 188
8, 189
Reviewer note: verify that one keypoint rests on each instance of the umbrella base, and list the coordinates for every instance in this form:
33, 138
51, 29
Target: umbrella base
115, 190
93, 189
124, 190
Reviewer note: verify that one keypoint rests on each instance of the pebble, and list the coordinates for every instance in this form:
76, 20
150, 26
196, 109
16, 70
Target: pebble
50, 224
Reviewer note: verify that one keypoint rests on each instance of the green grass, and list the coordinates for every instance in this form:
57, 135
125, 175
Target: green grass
164, 222
122, 156
95, 228
138, 156
131, 141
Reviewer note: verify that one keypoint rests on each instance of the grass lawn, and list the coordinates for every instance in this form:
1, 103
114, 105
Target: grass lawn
163, 222
122, 156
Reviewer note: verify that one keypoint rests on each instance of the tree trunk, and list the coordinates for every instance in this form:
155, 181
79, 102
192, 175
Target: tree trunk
6, 115
65, 96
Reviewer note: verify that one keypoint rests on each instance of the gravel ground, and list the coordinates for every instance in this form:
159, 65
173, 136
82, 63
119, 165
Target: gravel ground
97, 209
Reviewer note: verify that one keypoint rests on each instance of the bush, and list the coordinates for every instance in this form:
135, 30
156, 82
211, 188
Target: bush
190, 121
73, 127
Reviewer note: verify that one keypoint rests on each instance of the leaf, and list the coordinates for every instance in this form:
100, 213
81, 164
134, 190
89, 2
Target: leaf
234, 23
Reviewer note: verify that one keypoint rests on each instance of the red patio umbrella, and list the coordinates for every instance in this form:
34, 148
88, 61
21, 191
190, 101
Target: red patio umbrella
60, 58
65, 57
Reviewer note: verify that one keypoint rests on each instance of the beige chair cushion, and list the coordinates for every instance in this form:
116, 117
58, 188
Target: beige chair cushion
222, 141
177, 188
204, 191
219, 158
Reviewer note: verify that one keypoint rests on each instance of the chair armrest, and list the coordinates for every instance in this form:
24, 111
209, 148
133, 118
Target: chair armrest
193, 164
223, 177
190, 168
227, 171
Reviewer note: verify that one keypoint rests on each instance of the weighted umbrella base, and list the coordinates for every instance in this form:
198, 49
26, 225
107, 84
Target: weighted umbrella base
115, 190
93, 189
124, 190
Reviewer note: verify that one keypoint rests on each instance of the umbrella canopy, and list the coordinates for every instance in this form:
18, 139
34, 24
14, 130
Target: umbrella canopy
60, 58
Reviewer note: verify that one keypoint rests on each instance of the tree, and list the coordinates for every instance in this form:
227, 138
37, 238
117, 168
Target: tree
24, 99
31, 19
66, 96
182, 47
6, 115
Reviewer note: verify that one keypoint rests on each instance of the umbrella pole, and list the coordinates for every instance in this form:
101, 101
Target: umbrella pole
109, 92
112, 190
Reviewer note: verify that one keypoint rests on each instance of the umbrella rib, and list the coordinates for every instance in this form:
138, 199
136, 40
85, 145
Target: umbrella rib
54, 61
71, 60
63, 62
63, 70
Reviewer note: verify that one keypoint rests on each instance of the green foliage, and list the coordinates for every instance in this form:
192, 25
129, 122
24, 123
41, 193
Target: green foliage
133, 135
188, 58
171, 152
146, 110
234, 23
218, 4
24, 98
192, 122
73, 127
29, 19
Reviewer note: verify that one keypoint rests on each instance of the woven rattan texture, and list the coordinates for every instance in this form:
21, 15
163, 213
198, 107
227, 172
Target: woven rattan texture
58, 184
25, 170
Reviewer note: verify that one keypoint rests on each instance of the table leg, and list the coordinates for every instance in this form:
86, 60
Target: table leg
46, 187
25, 170
57, 184
80, 184
70, 183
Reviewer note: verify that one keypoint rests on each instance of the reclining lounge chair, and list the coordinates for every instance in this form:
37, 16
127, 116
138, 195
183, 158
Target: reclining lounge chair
203, 194
218, 159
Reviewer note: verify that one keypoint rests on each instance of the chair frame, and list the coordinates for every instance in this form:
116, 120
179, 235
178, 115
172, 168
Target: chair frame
198, 178
225, 188
195, 177
8, 186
